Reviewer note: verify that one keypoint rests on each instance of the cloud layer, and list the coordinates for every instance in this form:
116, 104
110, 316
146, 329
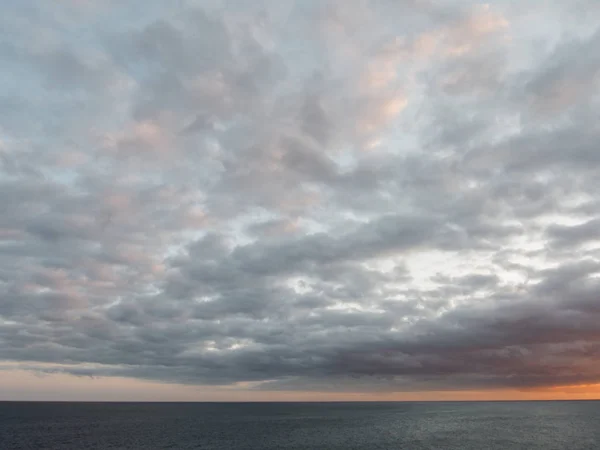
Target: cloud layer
302, 195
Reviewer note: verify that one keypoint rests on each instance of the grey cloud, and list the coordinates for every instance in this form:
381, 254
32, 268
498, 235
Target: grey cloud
298, 195
572, 236
564, 78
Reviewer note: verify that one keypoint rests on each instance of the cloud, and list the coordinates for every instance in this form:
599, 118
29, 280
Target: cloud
363, 197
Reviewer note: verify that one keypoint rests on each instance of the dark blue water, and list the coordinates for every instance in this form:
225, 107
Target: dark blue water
264, 426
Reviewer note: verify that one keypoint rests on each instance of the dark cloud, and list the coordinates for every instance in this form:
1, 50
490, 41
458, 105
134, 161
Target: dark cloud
301, 195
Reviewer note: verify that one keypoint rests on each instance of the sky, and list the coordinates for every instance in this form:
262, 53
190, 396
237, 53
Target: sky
299, 200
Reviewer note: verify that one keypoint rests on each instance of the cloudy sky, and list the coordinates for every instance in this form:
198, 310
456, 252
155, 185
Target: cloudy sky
277, 199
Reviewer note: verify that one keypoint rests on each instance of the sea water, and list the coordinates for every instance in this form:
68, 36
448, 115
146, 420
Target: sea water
294, 426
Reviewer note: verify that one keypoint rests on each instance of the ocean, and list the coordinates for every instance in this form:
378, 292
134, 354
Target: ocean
293, 426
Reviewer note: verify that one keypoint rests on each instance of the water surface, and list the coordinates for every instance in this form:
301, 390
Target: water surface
294, 426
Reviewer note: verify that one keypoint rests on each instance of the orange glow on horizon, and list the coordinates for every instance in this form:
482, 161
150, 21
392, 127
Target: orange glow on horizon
23, 385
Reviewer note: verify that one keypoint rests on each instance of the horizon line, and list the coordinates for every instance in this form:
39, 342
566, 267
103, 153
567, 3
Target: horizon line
305, 401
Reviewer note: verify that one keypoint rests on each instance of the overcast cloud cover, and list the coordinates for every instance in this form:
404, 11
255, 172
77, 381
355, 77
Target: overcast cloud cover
302, 195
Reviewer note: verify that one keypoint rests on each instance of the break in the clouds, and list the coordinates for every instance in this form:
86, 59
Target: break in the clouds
302, 195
